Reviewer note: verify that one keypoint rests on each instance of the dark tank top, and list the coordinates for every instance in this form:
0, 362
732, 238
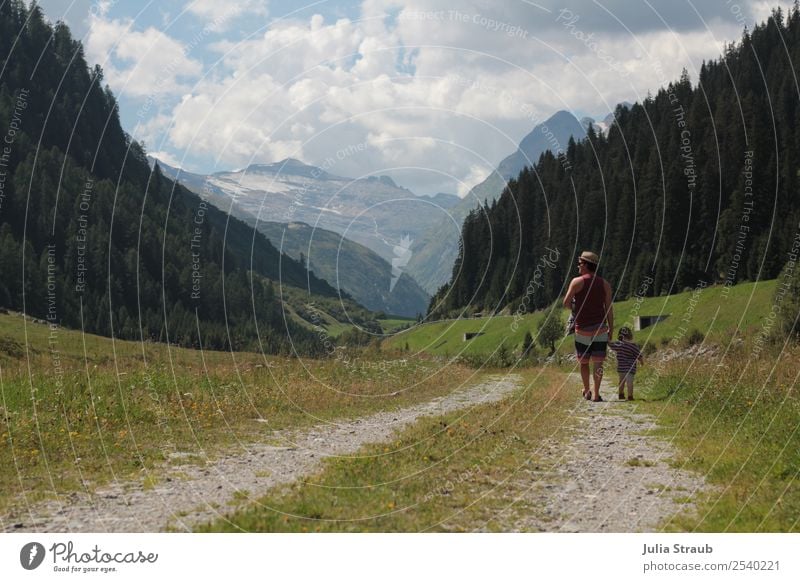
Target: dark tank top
590, 302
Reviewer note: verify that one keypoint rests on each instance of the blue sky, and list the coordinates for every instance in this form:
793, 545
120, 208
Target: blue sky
433, 93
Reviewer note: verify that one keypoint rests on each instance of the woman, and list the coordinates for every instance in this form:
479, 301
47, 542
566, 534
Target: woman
594, 320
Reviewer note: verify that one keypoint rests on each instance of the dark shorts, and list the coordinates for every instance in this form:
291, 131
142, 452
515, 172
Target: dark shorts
591, 346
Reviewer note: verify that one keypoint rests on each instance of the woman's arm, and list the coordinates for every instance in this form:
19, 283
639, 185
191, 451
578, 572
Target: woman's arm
609, 309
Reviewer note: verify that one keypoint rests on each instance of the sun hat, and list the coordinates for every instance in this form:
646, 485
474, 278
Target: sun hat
589, 257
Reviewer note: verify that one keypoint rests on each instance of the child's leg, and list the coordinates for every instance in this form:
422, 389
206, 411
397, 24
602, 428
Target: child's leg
621, 392
629, 378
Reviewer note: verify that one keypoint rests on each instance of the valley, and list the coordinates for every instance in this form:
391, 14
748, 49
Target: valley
292, 339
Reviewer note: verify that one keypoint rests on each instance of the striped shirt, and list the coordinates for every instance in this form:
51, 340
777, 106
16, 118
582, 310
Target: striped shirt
627, 354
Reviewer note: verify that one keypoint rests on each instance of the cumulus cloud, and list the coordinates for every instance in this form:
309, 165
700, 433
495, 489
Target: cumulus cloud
220, 15
139, 63
167, 158
419, 84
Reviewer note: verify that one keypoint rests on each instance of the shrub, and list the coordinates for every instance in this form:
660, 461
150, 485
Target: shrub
551, 329
695, 337
502, 358
527, 343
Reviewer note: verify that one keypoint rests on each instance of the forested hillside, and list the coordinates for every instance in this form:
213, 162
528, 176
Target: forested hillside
696, 183
92, 238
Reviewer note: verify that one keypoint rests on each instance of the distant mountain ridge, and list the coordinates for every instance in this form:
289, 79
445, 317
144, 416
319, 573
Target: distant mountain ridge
354, 268
288, 166
435, 252
373, 211
344, 264
553, 134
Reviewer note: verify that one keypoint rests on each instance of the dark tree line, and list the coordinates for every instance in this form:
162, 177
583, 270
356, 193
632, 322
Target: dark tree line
92, 238
696, 183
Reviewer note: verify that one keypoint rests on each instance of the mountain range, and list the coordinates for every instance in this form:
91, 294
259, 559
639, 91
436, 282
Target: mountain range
435, 252
347, 265
373, 211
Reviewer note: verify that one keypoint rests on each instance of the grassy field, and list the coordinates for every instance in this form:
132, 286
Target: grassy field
393, 323
712, 310
77, 410
735, 418
447, 473
335, 314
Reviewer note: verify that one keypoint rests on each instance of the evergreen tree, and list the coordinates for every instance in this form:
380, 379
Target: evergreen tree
136, 254
527, 343
695, 183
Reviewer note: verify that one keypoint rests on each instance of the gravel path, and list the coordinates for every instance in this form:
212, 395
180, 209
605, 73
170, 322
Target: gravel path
608, 475
190, 494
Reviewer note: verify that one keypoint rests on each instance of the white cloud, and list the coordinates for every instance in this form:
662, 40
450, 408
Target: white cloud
448, 92
167, 158
138, 64
760, 10
475, 175
219, 15
150, 130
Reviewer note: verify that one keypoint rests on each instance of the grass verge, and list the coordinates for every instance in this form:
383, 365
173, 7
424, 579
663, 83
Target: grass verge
735, 419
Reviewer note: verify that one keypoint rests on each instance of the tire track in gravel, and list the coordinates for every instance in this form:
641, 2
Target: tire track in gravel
189, 495
609, 473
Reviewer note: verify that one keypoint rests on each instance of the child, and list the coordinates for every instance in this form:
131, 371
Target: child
628, 354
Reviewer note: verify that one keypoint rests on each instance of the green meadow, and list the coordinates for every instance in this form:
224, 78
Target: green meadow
394, 323
712, 311
77, 410
732, 415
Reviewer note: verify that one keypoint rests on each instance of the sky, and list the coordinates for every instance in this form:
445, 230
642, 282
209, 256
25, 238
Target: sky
430, 92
